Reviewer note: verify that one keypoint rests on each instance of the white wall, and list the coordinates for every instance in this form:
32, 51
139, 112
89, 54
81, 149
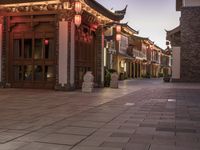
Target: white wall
1, 40
189, 3
176, 62
63, 52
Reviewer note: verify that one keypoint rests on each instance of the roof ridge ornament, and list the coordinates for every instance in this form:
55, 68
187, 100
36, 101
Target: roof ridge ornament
122, 12
116, 16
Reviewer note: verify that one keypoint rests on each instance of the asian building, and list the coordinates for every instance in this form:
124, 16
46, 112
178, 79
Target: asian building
52, 43
118, 50
166, 63
185, 42
140, 51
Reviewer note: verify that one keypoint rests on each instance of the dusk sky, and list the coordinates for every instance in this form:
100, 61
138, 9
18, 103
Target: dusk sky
149, 17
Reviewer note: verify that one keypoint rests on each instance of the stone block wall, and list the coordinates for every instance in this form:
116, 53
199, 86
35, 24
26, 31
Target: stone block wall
190, 44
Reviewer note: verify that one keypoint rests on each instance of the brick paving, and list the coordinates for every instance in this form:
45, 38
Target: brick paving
141, 115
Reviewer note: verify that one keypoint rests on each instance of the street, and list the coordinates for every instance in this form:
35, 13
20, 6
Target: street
141, 115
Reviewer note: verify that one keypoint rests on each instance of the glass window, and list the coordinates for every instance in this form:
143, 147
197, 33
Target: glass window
27, 48
38, 73
17, 47
49, 48
28, 72
38, 49
18, 73
49, 73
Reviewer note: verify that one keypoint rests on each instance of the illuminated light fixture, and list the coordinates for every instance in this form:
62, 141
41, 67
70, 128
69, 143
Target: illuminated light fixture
118, 37
77, 20
78, 7
46, 42
118, 28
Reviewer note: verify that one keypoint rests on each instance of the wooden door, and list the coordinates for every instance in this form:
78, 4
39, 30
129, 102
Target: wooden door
85, 53
32, 55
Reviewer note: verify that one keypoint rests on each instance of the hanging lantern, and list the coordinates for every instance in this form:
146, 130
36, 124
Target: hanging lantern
118, 28
77, 20
78, 7
118, 37
46, 42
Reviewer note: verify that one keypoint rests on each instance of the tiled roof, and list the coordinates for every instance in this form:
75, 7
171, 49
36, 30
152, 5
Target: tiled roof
2, 2
179, 4
117, 16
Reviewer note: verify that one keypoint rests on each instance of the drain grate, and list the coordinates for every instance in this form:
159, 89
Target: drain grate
171, 100
129, 104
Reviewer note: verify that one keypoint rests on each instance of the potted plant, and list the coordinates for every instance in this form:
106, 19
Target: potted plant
107, 77
167, 78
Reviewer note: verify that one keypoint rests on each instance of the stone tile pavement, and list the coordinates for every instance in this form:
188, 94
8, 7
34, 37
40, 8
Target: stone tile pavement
141, 115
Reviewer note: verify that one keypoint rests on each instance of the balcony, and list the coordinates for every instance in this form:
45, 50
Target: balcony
139, 55
155, 60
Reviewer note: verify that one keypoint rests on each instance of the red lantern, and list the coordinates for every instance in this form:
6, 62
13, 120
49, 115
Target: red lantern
118, 37
118, 28
78, 7
46, 42
77, 20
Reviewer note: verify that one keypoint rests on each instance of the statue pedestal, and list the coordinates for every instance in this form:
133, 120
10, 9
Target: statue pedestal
88, 84
114, 81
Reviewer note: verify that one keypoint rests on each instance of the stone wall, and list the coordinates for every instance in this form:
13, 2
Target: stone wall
190, 44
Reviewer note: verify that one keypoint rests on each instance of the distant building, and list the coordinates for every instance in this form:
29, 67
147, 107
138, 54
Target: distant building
118, 54
185, 41
166, 62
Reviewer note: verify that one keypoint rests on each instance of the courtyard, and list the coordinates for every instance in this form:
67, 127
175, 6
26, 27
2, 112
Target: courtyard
140, 115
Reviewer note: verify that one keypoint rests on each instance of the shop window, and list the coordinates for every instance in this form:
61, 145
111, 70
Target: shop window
49, 48
17, 47
38, 75
49, 73
18, 73
38, 49
28, 72
27, 48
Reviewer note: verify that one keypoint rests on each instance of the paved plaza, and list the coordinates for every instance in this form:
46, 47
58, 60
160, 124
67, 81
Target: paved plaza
140, 115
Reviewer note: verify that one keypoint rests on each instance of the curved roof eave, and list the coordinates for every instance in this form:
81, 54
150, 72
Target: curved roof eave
4, 2
104, 11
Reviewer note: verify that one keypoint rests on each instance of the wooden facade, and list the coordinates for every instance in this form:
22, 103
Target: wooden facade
42, 47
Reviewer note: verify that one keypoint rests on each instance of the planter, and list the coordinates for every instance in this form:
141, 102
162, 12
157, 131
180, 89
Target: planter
166, 79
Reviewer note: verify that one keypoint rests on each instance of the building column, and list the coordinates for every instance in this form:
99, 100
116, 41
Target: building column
100, 58
140, 69
1, 41
72, 56
130, 68
134, 70
63, 41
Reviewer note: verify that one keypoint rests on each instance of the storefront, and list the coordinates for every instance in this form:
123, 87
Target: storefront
52, 43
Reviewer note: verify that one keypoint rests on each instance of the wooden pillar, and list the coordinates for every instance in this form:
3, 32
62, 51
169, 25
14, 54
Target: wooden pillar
100, 58
133, 69
140, 69
130, 68
72, 56
1, 46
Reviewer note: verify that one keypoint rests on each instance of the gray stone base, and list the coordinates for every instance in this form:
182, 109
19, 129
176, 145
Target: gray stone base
184, 81
5, 85
99, 85
2, 85
66, 87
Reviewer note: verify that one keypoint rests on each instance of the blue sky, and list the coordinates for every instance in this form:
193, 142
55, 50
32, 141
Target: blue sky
150, 17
